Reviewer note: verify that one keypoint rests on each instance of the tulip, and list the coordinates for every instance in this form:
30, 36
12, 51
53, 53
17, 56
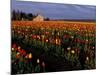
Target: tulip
38, 36
38, 61
87, 58
34, 36
18, 31
87, 40
69, 48
66, 36
46, 40
72, 51
18, 55
46, 33
43, 64
72, 37
19, 47
26, 56
12, 49
22, 52
14, 45
30, 55
93, 47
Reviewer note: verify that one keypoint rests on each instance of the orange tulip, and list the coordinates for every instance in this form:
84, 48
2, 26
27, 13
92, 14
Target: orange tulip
30, 56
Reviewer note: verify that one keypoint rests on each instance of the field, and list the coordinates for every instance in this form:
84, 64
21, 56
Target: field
50, 46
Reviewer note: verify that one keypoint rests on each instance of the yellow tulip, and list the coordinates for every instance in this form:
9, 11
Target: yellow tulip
87, 40
87, 58
18, 53
68, 48
72, 51
38, 61
12, 49
72, 37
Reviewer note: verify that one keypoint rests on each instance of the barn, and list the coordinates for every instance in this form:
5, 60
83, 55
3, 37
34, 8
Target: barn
38, 18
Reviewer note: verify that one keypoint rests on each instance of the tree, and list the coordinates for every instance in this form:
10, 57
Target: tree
30, 16
13, 15
47, 19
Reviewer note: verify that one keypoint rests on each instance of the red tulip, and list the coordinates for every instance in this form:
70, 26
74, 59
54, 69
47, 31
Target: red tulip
46, 33
14, 46
34, 36
18, 55
66, 36
43, 64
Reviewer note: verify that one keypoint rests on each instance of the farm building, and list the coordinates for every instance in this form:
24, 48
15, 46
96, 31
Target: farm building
38, 18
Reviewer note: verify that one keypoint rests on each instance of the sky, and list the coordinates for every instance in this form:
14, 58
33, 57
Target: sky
55, 10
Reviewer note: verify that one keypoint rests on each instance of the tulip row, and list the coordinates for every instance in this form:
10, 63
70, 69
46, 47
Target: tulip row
70, 41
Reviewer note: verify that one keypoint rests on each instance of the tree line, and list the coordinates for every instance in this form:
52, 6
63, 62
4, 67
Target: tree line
19, 15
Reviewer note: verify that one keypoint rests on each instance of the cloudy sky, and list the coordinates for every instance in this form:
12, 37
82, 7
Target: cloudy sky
56, 11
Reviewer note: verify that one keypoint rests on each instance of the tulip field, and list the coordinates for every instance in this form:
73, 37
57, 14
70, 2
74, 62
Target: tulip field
52, 46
